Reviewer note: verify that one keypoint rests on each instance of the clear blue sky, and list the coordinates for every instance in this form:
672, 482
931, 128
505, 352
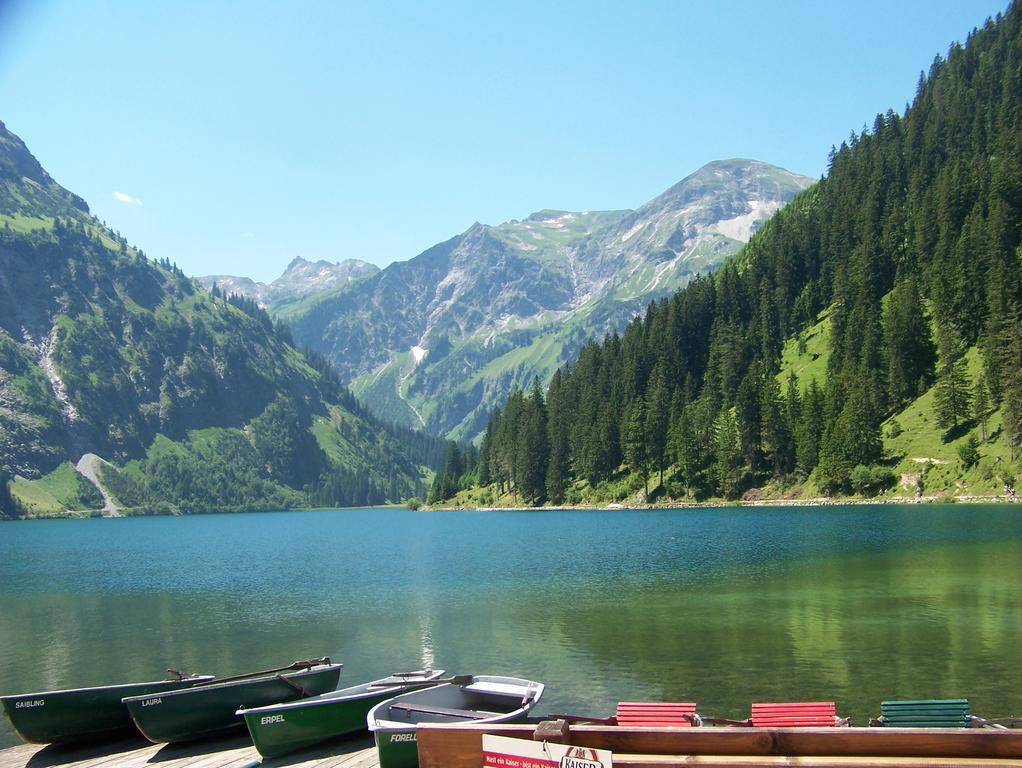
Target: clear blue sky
241, 134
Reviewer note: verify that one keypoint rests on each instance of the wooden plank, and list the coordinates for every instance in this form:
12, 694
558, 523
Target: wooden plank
130, 752
232, 753
17, 757
444, 746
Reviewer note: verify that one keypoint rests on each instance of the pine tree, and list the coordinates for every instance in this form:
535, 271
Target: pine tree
685, 448
1010, 340
981, 406
775, 427
852, 439
504, 462
532, 447
968, 452
557, 431
793, 401
636, 456
747, 403
907, 344
951, 398
657, 419
727, 449
485, 476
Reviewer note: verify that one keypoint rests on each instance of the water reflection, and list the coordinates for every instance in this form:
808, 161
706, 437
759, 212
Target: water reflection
719, 606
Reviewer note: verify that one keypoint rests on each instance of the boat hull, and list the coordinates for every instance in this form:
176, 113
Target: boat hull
210, 710
397, 749
286, 728
488, 699
82, 714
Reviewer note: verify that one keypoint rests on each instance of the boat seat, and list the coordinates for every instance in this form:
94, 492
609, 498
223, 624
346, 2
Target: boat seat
801, 714
500, 689
927, 713
656, 713
472, 714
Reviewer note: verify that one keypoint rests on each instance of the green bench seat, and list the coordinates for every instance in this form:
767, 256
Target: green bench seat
928, 713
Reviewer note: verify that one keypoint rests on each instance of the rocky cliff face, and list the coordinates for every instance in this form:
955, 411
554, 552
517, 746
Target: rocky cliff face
436, 341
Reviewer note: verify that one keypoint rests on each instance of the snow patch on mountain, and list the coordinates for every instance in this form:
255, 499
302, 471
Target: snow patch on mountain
741, 227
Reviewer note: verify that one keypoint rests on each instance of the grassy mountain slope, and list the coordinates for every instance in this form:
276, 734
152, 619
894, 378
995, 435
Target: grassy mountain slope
916, 448
104, 351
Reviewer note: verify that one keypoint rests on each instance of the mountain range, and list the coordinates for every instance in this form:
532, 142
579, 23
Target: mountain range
165, 396
435, 342
300, 278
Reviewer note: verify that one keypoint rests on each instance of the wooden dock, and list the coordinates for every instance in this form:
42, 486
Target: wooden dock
236, 752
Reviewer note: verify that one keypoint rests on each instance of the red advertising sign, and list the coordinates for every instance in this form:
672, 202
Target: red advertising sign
502, 752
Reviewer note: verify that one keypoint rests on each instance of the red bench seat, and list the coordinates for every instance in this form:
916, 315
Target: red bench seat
794, 714
656, 713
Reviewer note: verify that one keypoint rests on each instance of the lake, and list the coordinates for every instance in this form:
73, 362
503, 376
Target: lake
720, 606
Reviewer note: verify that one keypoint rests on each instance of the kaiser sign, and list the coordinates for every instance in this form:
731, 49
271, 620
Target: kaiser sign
502, 752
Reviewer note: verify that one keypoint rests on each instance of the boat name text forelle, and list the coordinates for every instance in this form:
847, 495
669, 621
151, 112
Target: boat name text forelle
152, 702
402, 737
272, 719
31, 703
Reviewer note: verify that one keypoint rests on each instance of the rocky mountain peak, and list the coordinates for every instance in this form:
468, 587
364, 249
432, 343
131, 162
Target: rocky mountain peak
497, 305
300, 278
18, 164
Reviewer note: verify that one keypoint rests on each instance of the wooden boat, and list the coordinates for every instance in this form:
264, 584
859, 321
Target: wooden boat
209, 709
281, 728
809, 747
486, 699
83, 714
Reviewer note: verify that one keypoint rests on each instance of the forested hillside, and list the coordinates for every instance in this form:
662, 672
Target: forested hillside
193, 400
901, 267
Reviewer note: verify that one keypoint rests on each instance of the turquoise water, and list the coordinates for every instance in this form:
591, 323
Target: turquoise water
719, 606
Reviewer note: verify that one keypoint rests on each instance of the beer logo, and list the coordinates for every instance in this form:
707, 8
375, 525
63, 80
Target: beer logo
581, 757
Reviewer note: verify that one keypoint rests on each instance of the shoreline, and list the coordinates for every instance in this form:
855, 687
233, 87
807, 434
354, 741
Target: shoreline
821, 501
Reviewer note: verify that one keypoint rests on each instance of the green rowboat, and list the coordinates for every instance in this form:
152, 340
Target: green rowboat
487, 699
283, 728
83, 714
209, 709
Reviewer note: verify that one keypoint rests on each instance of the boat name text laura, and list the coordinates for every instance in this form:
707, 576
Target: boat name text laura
152, 702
